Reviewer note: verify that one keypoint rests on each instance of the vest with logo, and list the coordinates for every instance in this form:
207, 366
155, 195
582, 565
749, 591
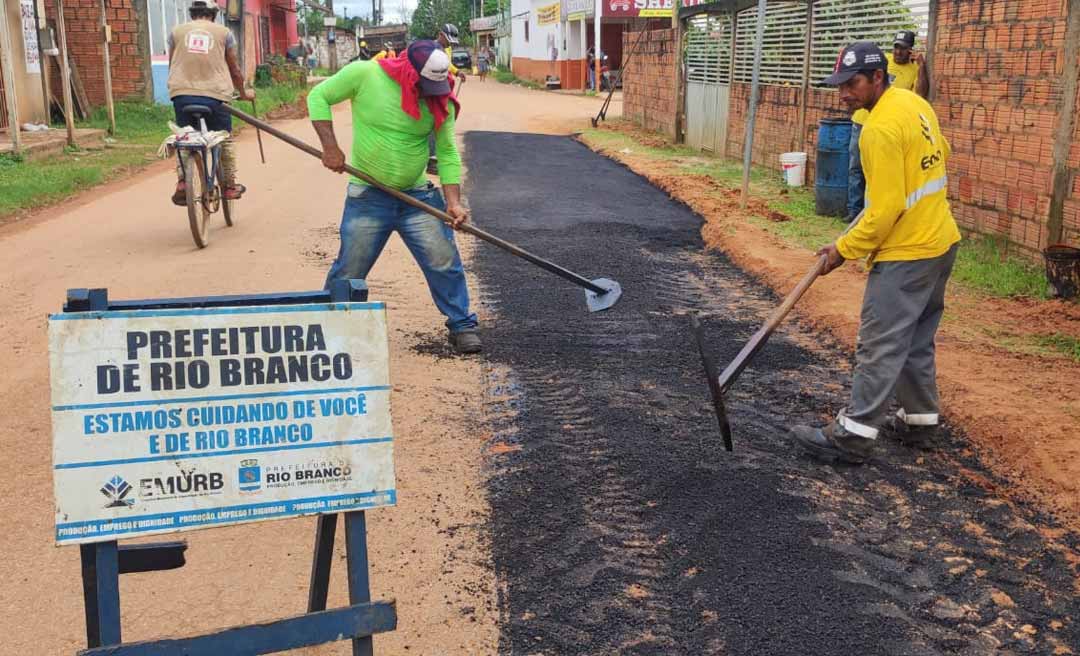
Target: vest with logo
198, 65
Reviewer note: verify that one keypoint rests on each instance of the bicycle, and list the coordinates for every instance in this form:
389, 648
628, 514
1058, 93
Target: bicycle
204, 188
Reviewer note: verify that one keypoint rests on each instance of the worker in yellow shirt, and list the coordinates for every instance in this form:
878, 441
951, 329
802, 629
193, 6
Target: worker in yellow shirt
906, 71
387, 51
908, 235
447, 38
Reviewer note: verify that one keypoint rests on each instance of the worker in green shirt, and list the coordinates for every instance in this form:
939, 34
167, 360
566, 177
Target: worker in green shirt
396, 104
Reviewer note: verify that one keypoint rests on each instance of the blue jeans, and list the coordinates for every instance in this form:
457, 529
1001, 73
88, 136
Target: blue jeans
856, 182
219, 119
371, 215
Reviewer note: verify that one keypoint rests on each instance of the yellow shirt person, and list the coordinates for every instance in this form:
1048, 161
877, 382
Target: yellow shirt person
903, 76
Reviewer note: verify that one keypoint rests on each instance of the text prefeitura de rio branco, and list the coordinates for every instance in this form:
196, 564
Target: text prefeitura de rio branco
245, 356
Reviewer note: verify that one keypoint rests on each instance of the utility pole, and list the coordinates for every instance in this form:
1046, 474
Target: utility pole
106, 39
331, 40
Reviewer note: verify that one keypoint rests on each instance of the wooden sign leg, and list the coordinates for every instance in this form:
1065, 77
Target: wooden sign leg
101, 592
323, 558
356, 557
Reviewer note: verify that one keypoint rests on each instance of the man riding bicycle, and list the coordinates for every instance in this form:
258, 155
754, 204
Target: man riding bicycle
204, 70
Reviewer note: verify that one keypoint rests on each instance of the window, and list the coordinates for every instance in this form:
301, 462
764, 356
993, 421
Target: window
838, 23
708, 49
783, 47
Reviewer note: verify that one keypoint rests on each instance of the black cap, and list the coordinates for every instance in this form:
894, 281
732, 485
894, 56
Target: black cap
905, 39
861, 56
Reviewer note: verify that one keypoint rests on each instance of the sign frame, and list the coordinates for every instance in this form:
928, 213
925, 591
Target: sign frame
103, 562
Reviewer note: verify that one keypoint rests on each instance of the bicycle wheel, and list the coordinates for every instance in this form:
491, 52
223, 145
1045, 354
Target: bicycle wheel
228, 207
198, 217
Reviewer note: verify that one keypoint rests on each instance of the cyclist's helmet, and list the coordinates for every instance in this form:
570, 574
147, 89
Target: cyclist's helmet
451, 32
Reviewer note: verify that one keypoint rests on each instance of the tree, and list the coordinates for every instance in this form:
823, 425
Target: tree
430, 15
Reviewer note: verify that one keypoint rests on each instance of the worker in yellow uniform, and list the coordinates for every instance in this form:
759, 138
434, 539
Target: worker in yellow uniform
447, 38
387, 51
906, 71
909, 237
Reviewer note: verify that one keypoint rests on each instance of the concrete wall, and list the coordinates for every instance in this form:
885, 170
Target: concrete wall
30, 101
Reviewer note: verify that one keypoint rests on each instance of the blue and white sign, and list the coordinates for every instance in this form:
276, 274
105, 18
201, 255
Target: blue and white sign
172, 420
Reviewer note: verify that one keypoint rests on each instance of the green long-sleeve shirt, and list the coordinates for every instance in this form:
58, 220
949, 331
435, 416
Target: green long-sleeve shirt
388, 144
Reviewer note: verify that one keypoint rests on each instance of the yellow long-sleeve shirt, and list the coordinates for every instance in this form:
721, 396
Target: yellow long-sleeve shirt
450, 55
903, 158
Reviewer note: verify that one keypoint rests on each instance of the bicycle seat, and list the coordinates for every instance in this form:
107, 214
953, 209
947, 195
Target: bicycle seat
196, 110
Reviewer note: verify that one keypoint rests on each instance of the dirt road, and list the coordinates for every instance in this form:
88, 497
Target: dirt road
428, 552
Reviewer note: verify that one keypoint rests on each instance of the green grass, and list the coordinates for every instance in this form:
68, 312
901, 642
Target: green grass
1064, 344
140, 129
982, 265
508, 77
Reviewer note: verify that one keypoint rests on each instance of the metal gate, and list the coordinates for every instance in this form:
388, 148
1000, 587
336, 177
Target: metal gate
708, 81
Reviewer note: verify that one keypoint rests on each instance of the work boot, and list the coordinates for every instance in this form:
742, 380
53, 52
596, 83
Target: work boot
835, 442
915, 437
466, 341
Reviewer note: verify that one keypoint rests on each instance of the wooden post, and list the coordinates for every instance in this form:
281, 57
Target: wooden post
931, 43
677, 75
7, 72
65, 73
1055, 221
755, 79
42, 28
805, 75
106, 38
731, 75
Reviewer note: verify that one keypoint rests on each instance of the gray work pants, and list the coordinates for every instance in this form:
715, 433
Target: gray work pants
901, 311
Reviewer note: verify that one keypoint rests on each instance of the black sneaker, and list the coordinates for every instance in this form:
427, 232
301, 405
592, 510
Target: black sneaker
916, 437
466, 341
834, 442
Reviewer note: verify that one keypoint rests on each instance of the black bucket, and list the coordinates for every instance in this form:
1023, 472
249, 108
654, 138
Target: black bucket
1063, 270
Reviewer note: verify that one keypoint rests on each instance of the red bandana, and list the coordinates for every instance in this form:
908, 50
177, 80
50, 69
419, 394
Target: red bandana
401, 71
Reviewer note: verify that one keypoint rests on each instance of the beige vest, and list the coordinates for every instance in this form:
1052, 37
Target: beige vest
198, 65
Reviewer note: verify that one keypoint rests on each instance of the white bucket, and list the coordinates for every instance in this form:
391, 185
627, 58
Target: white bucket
794, 166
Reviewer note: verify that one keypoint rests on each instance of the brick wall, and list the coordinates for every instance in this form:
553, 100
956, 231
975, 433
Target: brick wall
128, 52
648, 83
997, 74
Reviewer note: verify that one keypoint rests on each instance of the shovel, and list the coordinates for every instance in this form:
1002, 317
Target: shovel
600, 294
719, 385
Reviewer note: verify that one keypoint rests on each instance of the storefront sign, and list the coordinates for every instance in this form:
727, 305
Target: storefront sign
575, 10
548, 14
637, 8
30, 37
172, 420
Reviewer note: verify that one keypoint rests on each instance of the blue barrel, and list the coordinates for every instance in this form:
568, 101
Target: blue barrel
831, 174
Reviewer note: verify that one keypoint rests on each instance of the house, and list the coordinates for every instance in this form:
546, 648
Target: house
552, 39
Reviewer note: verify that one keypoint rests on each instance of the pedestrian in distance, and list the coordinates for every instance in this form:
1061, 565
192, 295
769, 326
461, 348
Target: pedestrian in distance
909, 239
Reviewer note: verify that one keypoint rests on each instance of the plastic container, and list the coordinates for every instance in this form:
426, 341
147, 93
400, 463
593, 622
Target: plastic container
831, 168
794, 167
1063, 269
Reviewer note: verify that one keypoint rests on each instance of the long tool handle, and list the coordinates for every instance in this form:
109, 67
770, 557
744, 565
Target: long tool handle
727, 378
258, 133
437, 213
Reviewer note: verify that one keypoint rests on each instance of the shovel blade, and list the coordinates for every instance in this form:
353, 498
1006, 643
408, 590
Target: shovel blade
601, 302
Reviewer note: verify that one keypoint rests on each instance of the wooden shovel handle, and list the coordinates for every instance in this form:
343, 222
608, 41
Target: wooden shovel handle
727, 378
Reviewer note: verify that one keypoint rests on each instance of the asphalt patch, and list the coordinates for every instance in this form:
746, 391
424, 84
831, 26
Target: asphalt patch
620, 526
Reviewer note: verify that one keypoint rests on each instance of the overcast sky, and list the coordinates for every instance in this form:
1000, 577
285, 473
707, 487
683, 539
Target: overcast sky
391, 8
